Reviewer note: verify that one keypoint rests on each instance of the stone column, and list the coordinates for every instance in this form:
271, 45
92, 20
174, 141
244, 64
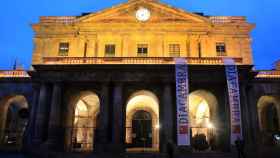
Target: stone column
41, 115
118, 120
253, 114
244, 114
226, 124
102, 128
167, 107
55, 129
32, 117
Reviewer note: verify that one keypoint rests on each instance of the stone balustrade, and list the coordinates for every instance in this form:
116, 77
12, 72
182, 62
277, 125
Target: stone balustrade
13, 74
268, 74
133, 60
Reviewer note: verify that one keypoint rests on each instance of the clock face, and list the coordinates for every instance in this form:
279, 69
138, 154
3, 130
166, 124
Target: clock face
143, 14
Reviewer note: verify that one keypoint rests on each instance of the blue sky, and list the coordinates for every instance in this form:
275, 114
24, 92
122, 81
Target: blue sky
16, 16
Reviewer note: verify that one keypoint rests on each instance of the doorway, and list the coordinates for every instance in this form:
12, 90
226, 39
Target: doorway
142, 129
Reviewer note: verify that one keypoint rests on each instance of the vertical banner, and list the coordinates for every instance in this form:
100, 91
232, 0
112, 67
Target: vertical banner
234, 99
182, 92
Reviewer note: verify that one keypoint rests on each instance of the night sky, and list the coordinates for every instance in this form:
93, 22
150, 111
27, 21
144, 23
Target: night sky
16, 16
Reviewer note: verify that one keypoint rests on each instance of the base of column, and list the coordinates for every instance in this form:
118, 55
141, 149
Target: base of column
53, 146
181, 150
116, 148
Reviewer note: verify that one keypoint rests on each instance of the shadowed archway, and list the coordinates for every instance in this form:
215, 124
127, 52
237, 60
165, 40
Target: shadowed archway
13, 120
82, 121
203, 114
142, 111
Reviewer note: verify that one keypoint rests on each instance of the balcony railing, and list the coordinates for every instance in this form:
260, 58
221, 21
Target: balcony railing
13, 74
133, 60
268, 74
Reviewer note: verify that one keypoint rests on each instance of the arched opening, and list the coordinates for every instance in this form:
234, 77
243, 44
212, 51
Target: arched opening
85, 116
14, 118
142, 122
202, 109
269, 112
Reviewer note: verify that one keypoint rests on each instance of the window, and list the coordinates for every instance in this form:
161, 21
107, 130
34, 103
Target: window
174, 50
221, 49
110, 50
142, 50
63, 49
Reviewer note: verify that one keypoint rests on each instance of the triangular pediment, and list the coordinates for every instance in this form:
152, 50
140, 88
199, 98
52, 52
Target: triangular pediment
159, 13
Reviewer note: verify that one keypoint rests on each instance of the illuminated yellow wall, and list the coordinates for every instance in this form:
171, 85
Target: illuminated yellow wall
118, 25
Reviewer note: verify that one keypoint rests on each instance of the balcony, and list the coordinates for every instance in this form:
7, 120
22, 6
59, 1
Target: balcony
13, 74
268, 74
133, 60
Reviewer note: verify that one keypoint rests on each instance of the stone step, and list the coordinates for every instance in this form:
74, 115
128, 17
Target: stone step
124, 155
145, 155
208, 155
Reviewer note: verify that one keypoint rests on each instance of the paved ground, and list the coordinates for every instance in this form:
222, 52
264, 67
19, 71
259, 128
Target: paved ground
11, 155
263, 154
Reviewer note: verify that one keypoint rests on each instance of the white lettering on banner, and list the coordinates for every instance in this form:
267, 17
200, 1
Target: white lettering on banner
182, 92
234, 99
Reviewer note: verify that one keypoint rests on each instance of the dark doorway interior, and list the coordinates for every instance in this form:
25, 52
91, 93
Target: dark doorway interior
142, 129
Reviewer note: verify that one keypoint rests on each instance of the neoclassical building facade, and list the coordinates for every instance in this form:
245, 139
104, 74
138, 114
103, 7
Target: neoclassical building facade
105, 82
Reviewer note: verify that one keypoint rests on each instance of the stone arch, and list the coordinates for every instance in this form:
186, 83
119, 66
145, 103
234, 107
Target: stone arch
146, 101
13, 119
263, 104
82, 118
203, 112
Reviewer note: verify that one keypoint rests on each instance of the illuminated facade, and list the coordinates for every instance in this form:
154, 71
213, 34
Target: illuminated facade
105, 81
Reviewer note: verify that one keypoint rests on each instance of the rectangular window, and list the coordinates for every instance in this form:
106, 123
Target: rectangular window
221, 49
142, 50
63, 49
174, 50
110, 50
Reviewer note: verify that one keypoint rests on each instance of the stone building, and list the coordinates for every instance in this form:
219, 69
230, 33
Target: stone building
105, 82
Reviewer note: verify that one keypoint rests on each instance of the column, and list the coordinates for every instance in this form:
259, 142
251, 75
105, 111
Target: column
55, 129
118, 121
32, 117
244, 114
41, 115
253, 114
102, 130
226, 124
167, 122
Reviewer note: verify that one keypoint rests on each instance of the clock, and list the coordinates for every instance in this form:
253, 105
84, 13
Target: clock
143, 14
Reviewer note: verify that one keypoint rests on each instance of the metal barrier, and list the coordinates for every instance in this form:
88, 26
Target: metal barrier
11, 139
82, 138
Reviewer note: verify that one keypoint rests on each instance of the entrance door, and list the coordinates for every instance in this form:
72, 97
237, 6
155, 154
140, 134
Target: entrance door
142, 129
